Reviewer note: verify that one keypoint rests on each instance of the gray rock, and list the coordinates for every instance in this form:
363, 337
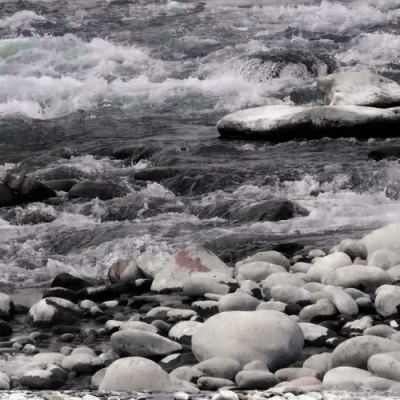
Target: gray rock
91, 190
318, 313
280, 278
124, 271
384, 259
206, 308
290, 374
387, 301
353, 249
219, 367
41, 380
97, 378
316, 335
256, 380
290, 294
210, 383
189, 374
255, 366
383, 331
63, 185
355, 352
340, 375
238, 301
319, 362
7, 307
258, 270
142, 326
183, 331
386, 365
268, 336
327, 264
383, 238
377, 383
212, 282
136, 373
272, 257
134, 342
342, 301
82, 363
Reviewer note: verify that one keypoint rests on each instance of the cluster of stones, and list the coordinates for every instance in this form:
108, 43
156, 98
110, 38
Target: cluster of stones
356, 104
313, 322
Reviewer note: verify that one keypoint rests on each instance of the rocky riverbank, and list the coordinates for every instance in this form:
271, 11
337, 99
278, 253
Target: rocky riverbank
311, 321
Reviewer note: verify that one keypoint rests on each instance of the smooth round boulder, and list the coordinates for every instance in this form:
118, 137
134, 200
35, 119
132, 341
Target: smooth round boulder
211, 383
198, 285
383, 238
256, 380
290, 294
290, 374
365, 278
53, 311
319, 362
97, 378
338, 375
268, 336
238, 301
382, 330
384, 259
353, 248
272, 257
219, 367
328, 264
387, 301
258, 270
136, 373
134, 342
183, 331
142, 326
38, 379
355, 352
386, 365
82, 363
255, 366
189, 374
280, 278
345, 304
318, 312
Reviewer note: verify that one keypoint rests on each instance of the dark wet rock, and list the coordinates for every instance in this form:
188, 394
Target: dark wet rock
53, 311
28, 188
157, 174
92, 190
62, 293
27, 216
64, 185
41, 380
69, 281
133, 154
98, 293
5, 329
380, 153
275, 209
8, 197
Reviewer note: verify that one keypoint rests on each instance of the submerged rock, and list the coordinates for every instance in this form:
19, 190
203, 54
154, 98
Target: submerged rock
281, 123
92, 190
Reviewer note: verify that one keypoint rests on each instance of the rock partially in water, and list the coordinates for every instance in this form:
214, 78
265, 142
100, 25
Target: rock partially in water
124, 271
69, 281
281, 123
63, 185
92, 190
383, 238
268, 336
359, 88
136, 373
383, 152
8, 198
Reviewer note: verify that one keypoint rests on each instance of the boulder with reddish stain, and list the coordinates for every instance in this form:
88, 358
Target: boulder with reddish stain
194, 259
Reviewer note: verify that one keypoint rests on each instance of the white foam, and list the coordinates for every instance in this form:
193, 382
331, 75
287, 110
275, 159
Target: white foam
20, 19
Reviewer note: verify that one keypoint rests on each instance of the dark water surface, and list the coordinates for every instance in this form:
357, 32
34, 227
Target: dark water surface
79, 79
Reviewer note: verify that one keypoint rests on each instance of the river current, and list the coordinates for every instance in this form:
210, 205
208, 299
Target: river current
81, 78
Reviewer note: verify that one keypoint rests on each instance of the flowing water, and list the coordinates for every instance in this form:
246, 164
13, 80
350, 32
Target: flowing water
81, 78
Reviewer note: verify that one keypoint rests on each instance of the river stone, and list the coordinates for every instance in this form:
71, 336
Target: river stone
271, 257
394, 272
342, 301
192, 260
136, 373
364, 278
290, 294
281, 123
316, 335
7, 307
258, 270
290, 374
339, 375
319, 362
53, 311
252, 288
384, 259
256, 380
387, 301
63, 185
385, 365
355, 352
280, 278
382, 330
62, 293
189, 374
124, 271
97, 378
206, 308
382, 152
198, 285
268, 336
318, 312
134, 342
48, 358
361, 88
238, 301
255, 366
92, 190
301, 267
377, 383
383, 238
82, 363
142, 326
219, 367
328, 264
353, 249
8, 198
211, 383
69, 281
183, 331
272, 305
41, 380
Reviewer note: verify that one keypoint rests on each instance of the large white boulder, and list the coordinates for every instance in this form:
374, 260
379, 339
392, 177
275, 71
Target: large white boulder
53, 311
384, 259
367, 279
340, 375
135, 342
270, 257
387, 301
328, 264
151, 264
362, 88
136, 373
387, 237
186, 262
280, 123
386, 365
268, 336
345, 304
